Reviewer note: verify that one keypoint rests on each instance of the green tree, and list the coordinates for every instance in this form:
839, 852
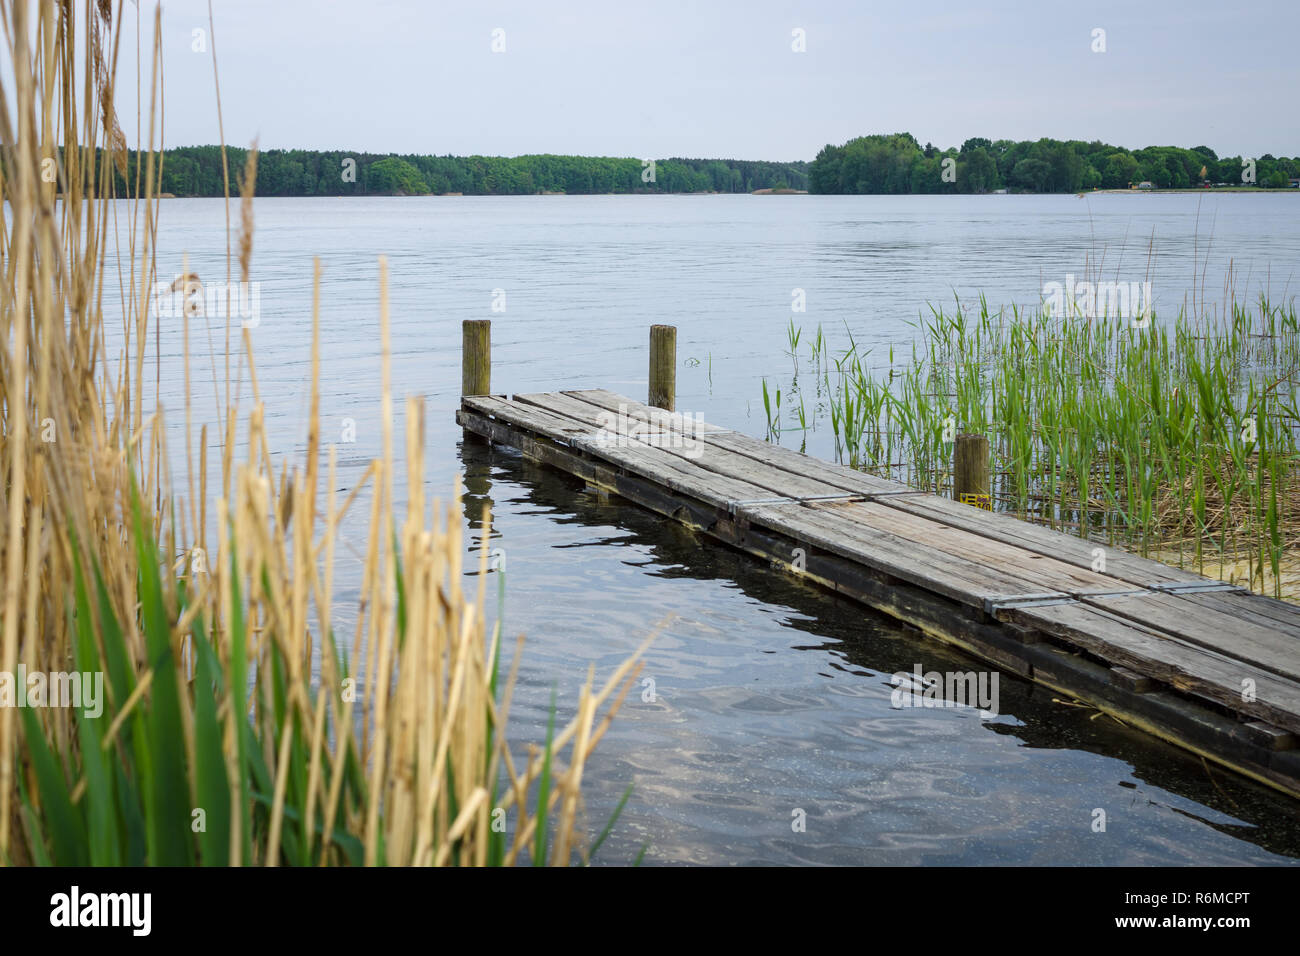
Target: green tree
977, 172
395, 177
1121, 169
1067, 168
1031, 175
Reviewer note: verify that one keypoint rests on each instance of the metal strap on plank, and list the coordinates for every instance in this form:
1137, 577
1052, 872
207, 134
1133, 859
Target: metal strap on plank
1194, 587
1128, 592
847, 496
1007, 602
735, 504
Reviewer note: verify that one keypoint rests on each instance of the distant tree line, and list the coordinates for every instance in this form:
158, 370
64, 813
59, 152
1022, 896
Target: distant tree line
899, 164
196, 171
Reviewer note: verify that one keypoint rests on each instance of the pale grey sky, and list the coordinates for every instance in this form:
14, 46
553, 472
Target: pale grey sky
713, 79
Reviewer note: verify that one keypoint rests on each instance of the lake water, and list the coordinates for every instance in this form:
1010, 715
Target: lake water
770, 697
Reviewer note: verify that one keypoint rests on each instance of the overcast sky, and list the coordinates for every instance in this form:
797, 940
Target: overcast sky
715, 79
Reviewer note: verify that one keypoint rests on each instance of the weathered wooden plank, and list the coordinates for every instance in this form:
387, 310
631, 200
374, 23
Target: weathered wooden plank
1280, 615
596, 471
1131, 680
933, 614
1226, 633
1046, 573
622, 405
622, 419
778, 456
1123, 566
959, 579
1270, 737
1146, 650
683, 443
675, 473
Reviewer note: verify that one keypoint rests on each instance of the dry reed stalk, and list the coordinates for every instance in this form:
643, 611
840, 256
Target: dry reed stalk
390, 751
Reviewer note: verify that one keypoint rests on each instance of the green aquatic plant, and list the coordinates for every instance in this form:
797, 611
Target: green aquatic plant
772, 409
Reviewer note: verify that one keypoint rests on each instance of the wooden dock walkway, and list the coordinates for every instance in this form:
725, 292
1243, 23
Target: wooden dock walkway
1202, 664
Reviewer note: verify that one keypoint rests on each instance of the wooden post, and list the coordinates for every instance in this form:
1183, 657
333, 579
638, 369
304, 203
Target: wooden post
970, 471
663, 367
476, 357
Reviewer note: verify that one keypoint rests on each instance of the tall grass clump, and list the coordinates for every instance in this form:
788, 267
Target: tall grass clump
1176, 439
237, 726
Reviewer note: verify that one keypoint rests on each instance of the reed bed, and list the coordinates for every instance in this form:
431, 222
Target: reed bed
1176, 439
237, 728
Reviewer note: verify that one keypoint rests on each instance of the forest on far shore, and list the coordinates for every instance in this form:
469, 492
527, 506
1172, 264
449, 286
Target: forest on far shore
877, 164
197, 171
897, 163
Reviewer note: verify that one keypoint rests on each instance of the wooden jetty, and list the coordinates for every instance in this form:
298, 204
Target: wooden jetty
1197, 662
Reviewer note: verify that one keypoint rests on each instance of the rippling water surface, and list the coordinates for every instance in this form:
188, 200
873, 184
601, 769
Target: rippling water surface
770, 697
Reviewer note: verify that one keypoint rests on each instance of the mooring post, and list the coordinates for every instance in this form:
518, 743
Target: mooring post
970, 471
663, 367
476, 357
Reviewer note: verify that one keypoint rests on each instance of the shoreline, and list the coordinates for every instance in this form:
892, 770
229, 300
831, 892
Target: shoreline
1171, 189
1239, 190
